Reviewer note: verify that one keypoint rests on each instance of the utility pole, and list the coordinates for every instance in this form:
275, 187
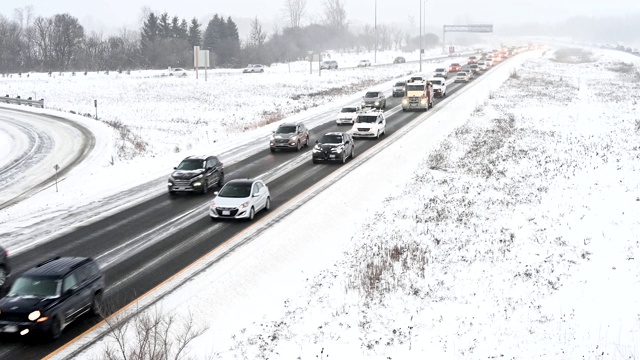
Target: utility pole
424, 29
375, 31
420, 35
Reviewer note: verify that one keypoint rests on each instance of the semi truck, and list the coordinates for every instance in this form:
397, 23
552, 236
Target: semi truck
418, 95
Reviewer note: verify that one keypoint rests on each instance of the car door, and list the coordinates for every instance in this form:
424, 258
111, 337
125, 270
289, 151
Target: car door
304, 134
256, 197
381, 124
72, 304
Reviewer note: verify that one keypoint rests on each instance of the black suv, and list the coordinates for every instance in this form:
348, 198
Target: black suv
46, 298
289, 136
334, 146
196, 174
5, 269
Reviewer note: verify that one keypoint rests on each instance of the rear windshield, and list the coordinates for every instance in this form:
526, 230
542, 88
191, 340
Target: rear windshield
399, 84
455, 64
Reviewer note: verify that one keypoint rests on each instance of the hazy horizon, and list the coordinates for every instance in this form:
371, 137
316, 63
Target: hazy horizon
118, 14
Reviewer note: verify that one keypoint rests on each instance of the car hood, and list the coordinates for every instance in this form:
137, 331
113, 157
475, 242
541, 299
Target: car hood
363, 126
349, 116
435, 86
283, 136
370, 99
328, 147
186, 174
229, 201
20, 304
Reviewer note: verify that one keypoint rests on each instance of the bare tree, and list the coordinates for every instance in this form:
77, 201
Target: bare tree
10, 45
384, 37
41, 38
398, 36
335, 14
151, 335
294, 11
66, 36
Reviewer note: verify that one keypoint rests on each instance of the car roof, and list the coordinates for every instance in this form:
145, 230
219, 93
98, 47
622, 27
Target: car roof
57, 267
288, 124
196, 157
335, 133
241, 181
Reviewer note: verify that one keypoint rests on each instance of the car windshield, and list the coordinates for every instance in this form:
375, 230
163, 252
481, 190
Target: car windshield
440, 70
191, 164
27, 286
331, 139
455, 64
371, 94
367, 119
364, 61
235, 190
436, 82
348, 109
326, 62
462, 74
286, 130
399, 84
415, 87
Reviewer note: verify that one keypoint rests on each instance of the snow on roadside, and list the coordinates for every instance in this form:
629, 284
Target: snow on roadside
514, 239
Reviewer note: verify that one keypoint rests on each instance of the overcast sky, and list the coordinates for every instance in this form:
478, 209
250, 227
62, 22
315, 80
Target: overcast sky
110, 15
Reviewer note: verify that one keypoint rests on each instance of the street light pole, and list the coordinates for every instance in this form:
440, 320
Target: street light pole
375, 31
420, 35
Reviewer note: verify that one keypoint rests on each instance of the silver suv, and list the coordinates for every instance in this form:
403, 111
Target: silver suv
289, 136
374, 99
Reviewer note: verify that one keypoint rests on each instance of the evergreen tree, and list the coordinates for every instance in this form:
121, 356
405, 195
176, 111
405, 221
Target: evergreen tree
195, 35
149, 31
231, 42
175, 27
164, 31
212, 40
183, 30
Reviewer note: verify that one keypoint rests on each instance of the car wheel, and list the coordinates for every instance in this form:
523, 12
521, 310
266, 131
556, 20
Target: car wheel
377, 136
56, 328
353, 152
252, 213
212, 218
3, 276
96, 305
306, 143
273, 150
344, 158
205, 187
298, 146
221, 179
267, 205
314, 161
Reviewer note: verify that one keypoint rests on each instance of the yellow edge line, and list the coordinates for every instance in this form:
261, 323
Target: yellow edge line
218, 248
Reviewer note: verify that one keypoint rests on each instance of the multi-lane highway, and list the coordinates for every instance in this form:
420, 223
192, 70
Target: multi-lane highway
142, 246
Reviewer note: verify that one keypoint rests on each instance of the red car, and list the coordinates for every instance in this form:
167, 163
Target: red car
455, 67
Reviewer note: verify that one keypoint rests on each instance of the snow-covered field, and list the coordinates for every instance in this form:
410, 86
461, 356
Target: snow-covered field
514, 237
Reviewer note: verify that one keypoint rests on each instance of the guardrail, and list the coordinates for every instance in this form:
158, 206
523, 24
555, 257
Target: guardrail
19, 101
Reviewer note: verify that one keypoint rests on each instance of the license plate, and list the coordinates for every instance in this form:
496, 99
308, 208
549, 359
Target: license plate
10, 328
226, 212
332, 156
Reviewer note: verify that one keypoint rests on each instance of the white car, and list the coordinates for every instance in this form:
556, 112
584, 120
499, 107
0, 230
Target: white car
348, 115
441, 72
176, 72
439, 87
254, 68
463, 76
488, 63
371, 124
364, 63
482, 65
240, 199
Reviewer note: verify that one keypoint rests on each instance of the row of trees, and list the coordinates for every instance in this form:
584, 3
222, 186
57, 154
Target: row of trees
60, 43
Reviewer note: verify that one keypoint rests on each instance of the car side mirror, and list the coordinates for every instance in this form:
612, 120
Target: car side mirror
316, 141
256, 194
175, 168
70, 292
215, 193
273, 132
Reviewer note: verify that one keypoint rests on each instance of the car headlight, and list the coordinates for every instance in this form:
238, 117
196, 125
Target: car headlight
405, 101
35, 315
243, 205
337, 149
377, 102
423, 101
364, 103
293, 138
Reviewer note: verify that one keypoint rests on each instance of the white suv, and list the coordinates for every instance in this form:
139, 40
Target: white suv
439, 87
441, 72
347, 115
369, 124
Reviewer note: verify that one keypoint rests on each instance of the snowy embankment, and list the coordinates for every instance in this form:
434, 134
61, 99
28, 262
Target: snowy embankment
514, 238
